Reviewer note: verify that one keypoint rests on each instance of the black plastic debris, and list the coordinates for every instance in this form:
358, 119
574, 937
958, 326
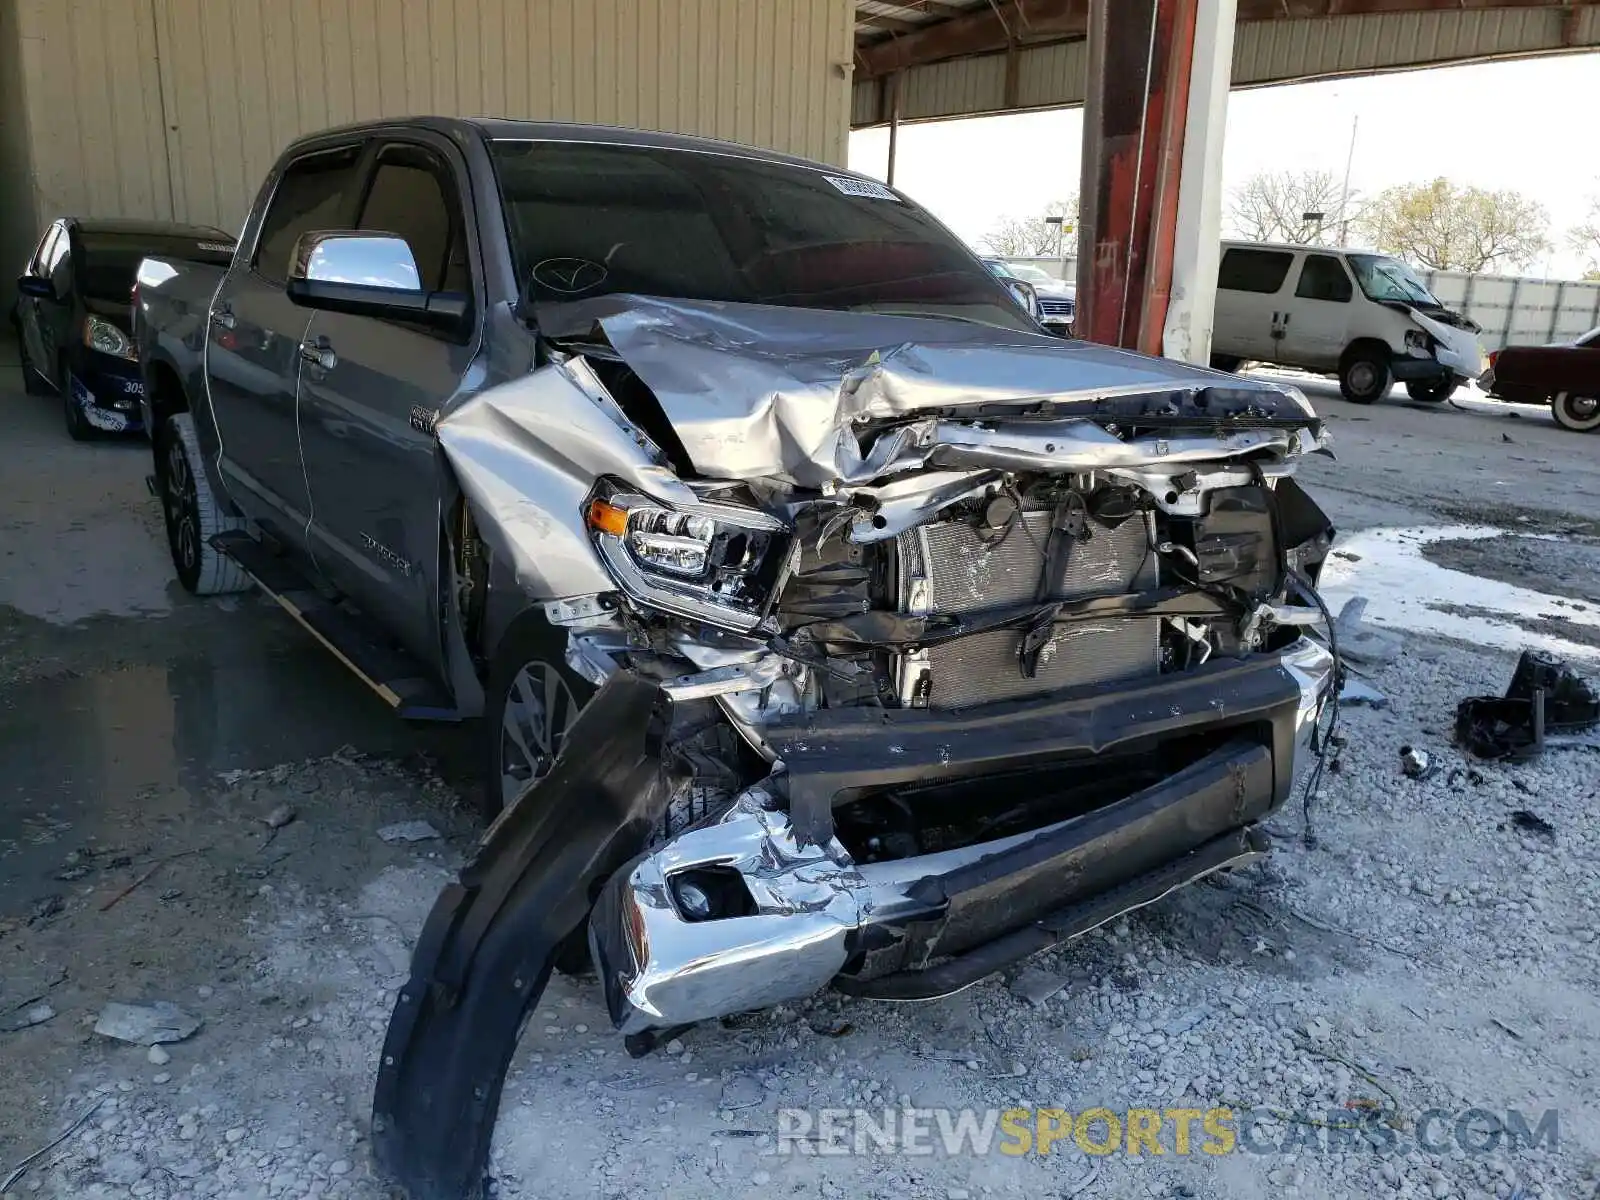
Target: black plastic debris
1417, 764
1545, 697
1522, 818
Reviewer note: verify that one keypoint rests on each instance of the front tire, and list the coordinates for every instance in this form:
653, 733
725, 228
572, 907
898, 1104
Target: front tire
1364, 377
1431, 391
1580, 414
78, 427
533, 700
193, 516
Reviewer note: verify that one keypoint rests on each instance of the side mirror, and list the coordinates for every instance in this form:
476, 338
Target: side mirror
369, 275
1024, 294
36, 286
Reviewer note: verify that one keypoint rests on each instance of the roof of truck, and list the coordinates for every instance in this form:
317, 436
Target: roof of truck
1230, 242
504, 129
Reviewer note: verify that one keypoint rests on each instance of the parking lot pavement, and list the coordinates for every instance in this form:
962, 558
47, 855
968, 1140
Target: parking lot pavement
190, 794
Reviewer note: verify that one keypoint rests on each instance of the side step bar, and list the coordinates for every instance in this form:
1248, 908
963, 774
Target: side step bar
388, 670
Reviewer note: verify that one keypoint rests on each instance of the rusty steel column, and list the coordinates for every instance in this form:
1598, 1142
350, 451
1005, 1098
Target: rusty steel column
1140, 53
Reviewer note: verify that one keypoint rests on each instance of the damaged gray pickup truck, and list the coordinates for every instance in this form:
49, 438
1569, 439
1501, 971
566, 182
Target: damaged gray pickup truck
831, 624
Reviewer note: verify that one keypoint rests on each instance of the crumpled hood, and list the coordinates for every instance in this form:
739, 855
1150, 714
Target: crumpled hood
758, 391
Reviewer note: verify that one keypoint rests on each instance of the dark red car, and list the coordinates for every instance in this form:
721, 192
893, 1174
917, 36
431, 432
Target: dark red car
1566, 376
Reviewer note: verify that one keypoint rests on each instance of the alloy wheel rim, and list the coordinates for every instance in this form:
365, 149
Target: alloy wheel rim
1362, 377
539, 710
182, 505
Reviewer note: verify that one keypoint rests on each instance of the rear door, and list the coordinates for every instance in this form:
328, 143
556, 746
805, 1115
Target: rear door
253, 346
366, 407
1248, 313
1318, 330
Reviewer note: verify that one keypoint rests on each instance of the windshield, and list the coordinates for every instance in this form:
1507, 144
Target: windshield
1032, 274
1390, 279
104, 263
591, 220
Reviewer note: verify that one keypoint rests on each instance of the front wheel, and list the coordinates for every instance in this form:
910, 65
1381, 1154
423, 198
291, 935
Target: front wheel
1431, 391
78, 427
1365, 377
193, 516
533, 700
1580, 414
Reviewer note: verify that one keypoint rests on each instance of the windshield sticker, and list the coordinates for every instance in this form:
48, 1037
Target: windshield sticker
861, 187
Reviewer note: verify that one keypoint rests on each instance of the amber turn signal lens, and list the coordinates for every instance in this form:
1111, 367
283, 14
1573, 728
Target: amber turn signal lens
608, 518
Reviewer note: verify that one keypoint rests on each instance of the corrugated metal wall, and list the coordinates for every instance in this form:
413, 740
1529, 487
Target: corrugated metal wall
176, 108
1264, 52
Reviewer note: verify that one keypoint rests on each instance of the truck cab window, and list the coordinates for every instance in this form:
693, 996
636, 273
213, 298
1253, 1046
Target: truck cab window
411, 196
1324, 278
1253, 270
314, 193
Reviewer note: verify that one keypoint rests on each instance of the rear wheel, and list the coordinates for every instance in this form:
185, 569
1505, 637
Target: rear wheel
1581, 414
1364, 377
1431, 391
193, 516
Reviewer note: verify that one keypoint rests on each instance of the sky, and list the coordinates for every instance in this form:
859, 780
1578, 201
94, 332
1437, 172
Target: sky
1528, 125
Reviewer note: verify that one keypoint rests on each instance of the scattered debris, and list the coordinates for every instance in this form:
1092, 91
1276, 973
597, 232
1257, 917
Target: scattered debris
1361, 643
158, 1057
1417, 764
279, 817
1036, 985
408, 831
146, 1024
1513, 1032
37, 1015
1358, 692
1523, 818
1544, 697
742, 1091
21, 1168
46, 907
1506, 437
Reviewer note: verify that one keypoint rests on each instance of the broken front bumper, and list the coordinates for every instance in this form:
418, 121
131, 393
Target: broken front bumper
810, 915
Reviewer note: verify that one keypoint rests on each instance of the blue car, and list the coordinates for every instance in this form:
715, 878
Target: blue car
73, 314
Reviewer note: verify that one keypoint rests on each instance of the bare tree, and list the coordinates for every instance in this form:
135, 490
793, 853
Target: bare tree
1585, 239
1453, 228
1032, 237
1272, 206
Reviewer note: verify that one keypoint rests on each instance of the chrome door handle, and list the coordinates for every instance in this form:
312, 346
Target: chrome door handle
320, 354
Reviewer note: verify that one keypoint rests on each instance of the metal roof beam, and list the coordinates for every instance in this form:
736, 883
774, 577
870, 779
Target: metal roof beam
977, 32
985, 30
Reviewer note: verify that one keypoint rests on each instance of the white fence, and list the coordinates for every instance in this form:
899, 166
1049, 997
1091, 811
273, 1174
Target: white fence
1522, 312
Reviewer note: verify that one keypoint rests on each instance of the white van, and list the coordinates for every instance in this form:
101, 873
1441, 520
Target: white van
1366, 317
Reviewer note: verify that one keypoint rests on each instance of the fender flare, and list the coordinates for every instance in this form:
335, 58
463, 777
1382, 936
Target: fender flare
486, 951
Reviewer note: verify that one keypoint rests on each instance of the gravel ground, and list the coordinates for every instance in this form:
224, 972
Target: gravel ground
1432, 952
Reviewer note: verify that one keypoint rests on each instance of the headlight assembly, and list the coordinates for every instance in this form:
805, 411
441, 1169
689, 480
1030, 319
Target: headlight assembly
1418, 342
108, 339
712, 561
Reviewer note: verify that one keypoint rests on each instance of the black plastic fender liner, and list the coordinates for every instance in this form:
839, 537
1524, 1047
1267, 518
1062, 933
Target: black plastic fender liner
486, 950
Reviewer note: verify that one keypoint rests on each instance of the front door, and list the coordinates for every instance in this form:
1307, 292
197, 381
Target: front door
368, 392
39, 318
253, 345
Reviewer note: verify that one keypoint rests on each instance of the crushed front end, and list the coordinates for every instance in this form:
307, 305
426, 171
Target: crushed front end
918, 657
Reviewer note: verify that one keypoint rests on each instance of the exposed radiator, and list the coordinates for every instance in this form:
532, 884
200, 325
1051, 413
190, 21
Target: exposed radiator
949, 568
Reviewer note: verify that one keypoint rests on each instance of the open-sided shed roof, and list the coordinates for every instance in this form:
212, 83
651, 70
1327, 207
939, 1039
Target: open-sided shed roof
960, 58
